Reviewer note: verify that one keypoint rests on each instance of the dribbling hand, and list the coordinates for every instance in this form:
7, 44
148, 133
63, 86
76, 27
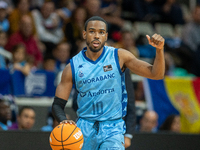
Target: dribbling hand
127, 142
156, 41
68, 121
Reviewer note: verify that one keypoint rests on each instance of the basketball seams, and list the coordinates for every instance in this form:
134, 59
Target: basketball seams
70, 134
62, 136
69, 137
55, 137
73, 143
67, 144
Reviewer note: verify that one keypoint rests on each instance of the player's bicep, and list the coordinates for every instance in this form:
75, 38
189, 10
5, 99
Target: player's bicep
140, 67
64, 87
137, 66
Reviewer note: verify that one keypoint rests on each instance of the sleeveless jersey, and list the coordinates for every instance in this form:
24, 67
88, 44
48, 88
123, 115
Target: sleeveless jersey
100, 84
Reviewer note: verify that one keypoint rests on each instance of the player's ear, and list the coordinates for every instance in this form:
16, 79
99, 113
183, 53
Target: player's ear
84, 34
106, 36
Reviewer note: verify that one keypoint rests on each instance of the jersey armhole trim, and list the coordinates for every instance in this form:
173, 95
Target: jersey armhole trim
117, 60
73, 71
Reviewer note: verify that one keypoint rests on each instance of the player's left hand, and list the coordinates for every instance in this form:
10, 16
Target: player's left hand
156, 41
68, 121
127, 142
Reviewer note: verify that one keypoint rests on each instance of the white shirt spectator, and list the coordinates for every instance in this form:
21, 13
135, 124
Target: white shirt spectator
47, 25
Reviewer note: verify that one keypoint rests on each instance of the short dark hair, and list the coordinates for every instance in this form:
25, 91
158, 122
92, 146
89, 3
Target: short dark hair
168, 122
96, 18
48, 57
25, 107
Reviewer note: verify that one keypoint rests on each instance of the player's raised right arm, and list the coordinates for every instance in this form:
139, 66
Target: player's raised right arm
62, 94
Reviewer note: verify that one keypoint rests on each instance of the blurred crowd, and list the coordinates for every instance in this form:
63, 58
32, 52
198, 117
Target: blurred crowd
24, 118
45, 34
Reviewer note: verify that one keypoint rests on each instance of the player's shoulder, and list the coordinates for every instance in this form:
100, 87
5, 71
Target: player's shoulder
125, 54
67, 69
122, 51
109, 48
114, 48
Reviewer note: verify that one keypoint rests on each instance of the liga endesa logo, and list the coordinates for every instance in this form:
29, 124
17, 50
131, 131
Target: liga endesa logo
99, 92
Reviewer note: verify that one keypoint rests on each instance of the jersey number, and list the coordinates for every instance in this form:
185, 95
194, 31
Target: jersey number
97, 108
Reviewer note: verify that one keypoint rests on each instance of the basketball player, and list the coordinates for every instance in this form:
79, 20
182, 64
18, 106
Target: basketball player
98, 74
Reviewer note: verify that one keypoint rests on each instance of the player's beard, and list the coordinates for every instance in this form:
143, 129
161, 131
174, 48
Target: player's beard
95, 50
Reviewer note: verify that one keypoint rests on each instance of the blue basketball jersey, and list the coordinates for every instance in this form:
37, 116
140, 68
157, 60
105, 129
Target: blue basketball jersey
100, 84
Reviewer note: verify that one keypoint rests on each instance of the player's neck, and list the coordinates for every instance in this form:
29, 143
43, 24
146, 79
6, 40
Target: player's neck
93, 55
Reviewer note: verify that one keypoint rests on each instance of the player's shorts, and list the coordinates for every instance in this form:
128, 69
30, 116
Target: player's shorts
105, 135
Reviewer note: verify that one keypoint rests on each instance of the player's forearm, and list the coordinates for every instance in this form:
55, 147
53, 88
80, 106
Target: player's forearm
58, 109
158, 68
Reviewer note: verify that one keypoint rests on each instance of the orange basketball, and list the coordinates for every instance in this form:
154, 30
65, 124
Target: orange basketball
66, 136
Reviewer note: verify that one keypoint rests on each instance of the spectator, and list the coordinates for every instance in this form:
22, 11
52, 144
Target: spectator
4, 23
127, 41
62, 55
65, 12
21, 61
25, 119
172, 123
172, 13
114, 20
10, 6
36, 4
191, 38
4, 54
92, 7
49, 63
15, 16
25, 36
148, 122
109, 6
190, 34
5, 114
3, 38
73, 29
111, 12
47, 25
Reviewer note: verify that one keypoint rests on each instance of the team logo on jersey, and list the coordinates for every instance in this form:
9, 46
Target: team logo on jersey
80, 74
82, 94
107, 68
